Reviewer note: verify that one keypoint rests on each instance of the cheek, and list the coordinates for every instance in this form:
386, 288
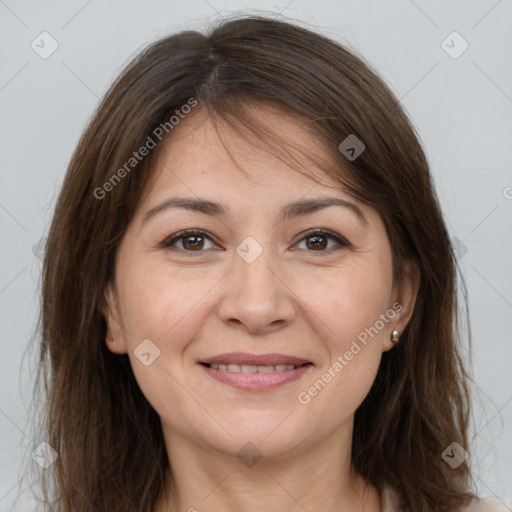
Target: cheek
351, 300
166, 306
352, 312
352, 334
163, 306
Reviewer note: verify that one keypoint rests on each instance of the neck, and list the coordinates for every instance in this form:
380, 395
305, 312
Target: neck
313, 478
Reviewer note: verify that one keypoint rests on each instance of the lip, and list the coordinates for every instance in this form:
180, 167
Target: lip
256, 381
254, 359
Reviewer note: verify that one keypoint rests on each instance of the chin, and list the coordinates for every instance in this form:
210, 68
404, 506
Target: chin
268, 438
250, 449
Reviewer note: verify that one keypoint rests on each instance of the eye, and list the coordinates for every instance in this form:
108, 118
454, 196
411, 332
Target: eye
190, 240
317, 240
194, 240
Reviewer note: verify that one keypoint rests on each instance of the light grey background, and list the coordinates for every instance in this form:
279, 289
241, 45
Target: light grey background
462, 108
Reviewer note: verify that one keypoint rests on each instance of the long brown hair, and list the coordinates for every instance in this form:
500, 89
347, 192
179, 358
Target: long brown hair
111, 453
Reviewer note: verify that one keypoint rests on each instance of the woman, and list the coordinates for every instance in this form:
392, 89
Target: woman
249, 296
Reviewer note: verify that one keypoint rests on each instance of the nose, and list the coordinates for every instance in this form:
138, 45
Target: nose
257, 296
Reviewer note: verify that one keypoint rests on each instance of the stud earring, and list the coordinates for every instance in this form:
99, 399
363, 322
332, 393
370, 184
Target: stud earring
395, 336
112, 340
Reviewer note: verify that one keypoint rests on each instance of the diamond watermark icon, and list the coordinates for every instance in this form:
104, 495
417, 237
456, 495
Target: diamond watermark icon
249, 455
351, 147
44, 45
147, 352
38, 248
460, 247
44, 455
454, 45
454, 455
249, 249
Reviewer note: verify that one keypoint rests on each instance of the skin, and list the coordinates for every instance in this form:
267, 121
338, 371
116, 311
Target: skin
294, 299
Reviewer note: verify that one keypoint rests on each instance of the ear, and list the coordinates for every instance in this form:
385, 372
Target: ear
115, 340
403, 299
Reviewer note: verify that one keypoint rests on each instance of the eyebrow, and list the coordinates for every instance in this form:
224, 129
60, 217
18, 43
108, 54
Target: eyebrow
289, 211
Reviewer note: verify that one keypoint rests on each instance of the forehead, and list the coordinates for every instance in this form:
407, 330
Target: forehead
206, 153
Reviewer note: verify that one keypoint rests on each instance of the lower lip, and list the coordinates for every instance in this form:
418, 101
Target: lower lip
257, 381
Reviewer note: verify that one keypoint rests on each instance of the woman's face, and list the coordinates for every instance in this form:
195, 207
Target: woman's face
258, 281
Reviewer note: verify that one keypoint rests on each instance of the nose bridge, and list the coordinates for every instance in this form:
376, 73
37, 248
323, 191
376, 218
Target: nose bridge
254, 269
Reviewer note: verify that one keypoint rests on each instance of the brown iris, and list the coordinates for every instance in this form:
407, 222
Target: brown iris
317, 245
198, 243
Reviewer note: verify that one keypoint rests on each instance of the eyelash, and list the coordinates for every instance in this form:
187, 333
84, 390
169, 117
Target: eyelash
169, 242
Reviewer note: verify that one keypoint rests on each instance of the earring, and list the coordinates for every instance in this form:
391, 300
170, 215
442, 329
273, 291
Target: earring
395, 336
112, 340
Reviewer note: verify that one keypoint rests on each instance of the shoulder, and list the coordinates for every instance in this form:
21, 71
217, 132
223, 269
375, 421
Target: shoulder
390, 502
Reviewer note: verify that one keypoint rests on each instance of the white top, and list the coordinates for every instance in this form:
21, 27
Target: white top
390, 502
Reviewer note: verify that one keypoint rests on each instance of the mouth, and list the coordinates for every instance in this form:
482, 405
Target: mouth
255, 373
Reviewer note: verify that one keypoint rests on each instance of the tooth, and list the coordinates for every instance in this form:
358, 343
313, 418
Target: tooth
266, 369
248, 368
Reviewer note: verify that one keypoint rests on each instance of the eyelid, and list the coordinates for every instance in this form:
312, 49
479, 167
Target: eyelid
171, 240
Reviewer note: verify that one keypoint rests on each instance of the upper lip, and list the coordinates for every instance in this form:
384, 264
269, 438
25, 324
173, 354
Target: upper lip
255, 360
